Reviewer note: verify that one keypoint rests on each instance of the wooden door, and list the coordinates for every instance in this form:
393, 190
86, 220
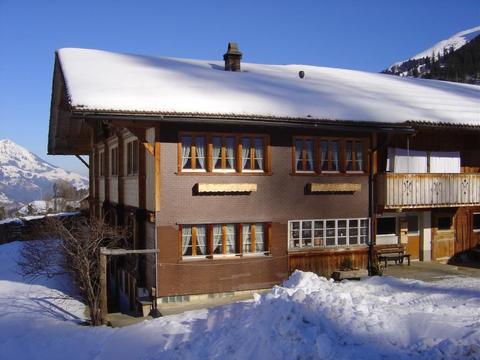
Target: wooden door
413, 236
443, 235
462, 230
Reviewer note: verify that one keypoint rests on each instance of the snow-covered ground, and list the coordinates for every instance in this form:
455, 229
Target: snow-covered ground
306, 318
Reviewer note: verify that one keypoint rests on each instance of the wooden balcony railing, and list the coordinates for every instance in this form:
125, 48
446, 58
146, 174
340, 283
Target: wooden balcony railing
395, 191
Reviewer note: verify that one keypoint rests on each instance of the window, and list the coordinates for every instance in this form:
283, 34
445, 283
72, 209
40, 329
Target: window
326, 155
476, 222
253, 153
194, 240
223, 239
412, 224
444, 222
304, 234
253, 240
132, 157
114, 161
329, 155
386, 226
101, 163
193, 153
305, 154
222, 153
354, 159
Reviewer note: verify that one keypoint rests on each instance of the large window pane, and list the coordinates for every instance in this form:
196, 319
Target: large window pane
246, 238
258, 160
298, 154
217, 239
386, 226
230, 152
200, 152
359, 156
259, 238
295, 234
201, 240
306, 233
186, 152
246, 165
231, 239
187, 241
349, 155
217, 152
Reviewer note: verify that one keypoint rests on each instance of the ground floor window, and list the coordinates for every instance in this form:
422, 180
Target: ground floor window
476, 222
210, 240
386, 226
327, 233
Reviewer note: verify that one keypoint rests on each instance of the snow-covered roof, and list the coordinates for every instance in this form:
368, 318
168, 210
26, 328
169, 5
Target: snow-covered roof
106, 81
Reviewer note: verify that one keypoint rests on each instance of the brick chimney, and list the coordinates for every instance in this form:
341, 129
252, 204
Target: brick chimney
232, 57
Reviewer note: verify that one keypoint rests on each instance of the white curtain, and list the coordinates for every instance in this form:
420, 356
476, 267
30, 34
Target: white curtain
259, 238
186, 239
445, 162
359, 155
335, 155
217, 239
245, 152
201, 237
186, 145
230, 144
298, 154
200, 147
310, 155
258, 142
324, 164
246, 238
230, 239
404, 161
217, 148
349, 155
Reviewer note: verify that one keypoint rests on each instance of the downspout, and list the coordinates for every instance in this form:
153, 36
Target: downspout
371, 204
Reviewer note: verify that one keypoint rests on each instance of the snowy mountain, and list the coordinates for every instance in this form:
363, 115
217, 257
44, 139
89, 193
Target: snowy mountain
25, 177
417, 62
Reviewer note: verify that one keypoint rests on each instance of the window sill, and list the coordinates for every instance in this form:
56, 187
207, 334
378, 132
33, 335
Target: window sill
194, 171
221, 173
194, 258
328, 248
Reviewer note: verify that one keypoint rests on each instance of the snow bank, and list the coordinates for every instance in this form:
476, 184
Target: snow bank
308, 317
102, 80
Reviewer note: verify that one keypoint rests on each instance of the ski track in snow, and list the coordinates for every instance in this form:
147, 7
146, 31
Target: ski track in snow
308, 317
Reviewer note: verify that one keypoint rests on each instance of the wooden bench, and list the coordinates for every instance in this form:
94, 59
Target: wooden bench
393, 253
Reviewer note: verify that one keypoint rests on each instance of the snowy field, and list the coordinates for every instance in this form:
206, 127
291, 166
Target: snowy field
306, 318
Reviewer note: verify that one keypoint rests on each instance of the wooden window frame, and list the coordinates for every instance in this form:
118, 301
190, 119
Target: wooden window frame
303, 156
475, 230
133, 153
238, 166
209, 243
114, 161
336, 245
342, 155
193, 152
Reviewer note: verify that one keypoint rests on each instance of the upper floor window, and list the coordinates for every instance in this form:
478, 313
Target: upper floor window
193, 153
354, 153
114, 161
225, 153
253, 149
101, 163
132, 157
328, 155
305, 154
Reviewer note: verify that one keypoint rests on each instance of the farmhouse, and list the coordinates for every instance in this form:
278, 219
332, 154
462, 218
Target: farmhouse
236, 174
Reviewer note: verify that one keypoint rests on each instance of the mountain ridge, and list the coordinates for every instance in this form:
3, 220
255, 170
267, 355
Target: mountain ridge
25, 177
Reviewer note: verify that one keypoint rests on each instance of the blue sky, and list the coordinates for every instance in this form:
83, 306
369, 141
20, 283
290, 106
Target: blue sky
365, 35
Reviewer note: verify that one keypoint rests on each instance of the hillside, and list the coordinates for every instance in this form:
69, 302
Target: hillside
25, 177
454, 59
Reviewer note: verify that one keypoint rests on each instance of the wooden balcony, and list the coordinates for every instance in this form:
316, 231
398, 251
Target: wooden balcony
397, 191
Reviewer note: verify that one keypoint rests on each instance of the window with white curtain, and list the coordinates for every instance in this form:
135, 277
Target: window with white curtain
330, 155
205, 240
354, 155
193, 153
306, 234
304, 154
218, 153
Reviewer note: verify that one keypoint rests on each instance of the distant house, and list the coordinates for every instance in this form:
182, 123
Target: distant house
237, 174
